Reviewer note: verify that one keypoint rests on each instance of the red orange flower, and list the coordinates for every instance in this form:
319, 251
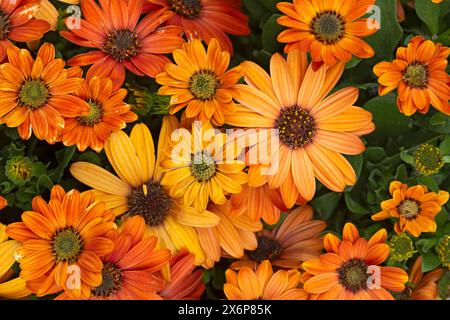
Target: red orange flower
206, 19
123, 42
423, 286
419, 74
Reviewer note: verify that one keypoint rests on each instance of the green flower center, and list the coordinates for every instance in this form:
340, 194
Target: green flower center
409, 208
296, 127
203, 166
353, 275
19, 170
186, 8
416, 75
328, 26
94, 116
428, 159
122, 44
111, 281
402, 247
67, 245
203, 85
151, 202
33, 94
5, 26
268, 249
443, 250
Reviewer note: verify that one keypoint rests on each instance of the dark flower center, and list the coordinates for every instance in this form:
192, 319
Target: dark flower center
353, 275
268, 249
122, 44
204, 84
203, 166
111, 281
409, 208
296, 127
33, 94
328, 27
416, 75
5, 26
94, 116
186, 8
151, 202
67, 245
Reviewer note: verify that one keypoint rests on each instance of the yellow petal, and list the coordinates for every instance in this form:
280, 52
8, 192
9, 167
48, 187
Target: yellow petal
14, 289
142, 141
7, 250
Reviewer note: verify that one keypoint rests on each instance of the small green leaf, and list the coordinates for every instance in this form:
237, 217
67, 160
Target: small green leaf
406, 157
270, 33
429, 13
429, 182
325, 205
44, 183
430, 261
445, 146
355, 206
375, 154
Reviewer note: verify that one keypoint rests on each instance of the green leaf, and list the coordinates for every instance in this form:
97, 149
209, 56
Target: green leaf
430, 261
406, 157
270, 33
375, 154
352, 63
44, 183
444, 285
444, 38
63, 157
325, 205
269, 4
429, 13
445, 146
355, 206
429, 182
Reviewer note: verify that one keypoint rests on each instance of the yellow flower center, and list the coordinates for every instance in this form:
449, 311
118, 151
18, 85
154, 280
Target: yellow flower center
409, 209
443, 250
122, 44
111, 281
33, 94
204, 84
328, 26
428, 159
5, 26
416, 75
151, 202
94, 116
296, 127
186, 8
67, 245
402, 247
203, 166
353, 275
268, 249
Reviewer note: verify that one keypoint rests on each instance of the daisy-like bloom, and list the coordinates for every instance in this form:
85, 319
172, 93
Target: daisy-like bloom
18, 23
206, 19
230, 238
3, 202
263, 284
202, 165
107, 113
295, 240
428, 159
138, 191
443, 250
9, 288
401, 247
200, 82
130, 270
36, 94
419, 74
123, 43
413, 207
330, 30
312, 127
185, 283
422, 286
62, 240
345, 271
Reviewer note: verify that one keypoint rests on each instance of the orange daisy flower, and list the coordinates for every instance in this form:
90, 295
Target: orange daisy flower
200, 82
3, 203
107, 113
422, 286
130, 270
230, 238
123, 42
312, 129
263, 284
63, 238
331, 30
205, 19
36, 94
419, 74
18, 23
295, 240
343, 272
413, 207
185, 283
